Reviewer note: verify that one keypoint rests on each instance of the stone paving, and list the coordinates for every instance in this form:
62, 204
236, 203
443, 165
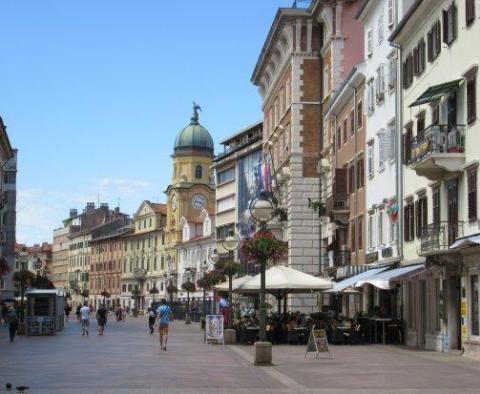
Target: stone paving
128, 360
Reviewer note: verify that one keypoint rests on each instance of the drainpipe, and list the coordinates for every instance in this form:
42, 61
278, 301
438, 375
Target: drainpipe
355, 130
399, 158
320, 145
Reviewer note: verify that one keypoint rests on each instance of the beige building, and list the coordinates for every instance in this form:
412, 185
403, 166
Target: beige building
143, 257
60, 250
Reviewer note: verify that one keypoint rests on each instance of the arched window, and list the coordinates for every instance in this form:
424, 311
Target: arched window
198, 172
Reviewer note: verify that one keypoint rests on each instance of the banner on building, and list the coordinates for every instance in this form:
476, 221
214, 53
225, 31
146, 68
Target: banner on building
318, 343
214, 329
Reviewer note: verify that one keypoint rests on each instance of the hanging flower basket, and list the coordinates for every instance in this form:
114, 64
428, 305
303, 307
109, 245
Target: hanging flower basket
4, 267
172, 289
210, 279
153, 290
136, 293
189, 287
105, 294
24, 277
264, 246
85, 293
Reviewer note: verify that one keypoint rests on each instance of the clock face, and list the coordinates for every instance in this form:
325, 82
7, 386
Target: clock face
198, 201
174, 202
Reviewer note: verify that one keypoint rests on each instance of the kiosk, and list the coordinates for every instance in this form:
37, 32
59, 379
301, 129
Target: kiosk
44, 311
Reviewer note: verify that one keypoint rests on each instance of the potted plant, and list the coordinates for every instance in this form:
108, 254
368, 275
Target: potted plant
171, 289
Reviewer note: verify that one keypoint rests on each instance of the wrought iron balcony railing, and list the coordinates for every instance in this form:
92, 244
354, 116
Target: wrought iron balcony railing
342, 257
437, 139
437, 237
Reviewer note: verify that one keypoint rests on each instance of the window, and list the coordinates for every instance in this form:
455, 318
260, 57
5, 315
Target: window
339, 137
436, 205
226, 203
450, 24
421, 127
370, 93
371, 232
223, 231
369, 42
421, 215
469, 11
434, 42
472, 194
392, 231
360, 232
351, 178
392, 135
380, 29
435, 113
419, 58
409, 224
392, 73
408, 71
371, 159
380, 84
359, 114
472, 99
380, 228
352, 122
198, 172
352, 236
384, 148
360, 173
390, 13
474, 312
345, 132
407, 141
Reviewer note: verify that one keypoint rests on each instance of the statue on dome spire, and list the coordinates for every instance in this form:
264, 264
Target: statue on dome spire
194, 117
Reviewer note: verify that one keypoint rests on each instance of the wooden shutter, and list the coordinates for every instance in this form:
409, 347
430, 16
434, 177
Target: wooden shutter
341, 180
404, 75
445, 26
412, 222
352, 122
438, 39
430, 45
453, 16
424, 213
415, 61
360, 233
471, 100
469, 11
472, 195
390, 12
417, 218
406, 223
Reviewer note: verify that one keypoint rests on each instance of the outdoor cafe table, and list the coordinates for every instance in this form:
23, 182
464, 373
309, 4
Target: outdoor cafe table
382, 320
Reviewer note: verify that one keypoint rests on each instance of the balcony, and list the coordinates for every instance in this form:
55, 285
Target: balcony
342, 257
438, 150
338, 205
437, 237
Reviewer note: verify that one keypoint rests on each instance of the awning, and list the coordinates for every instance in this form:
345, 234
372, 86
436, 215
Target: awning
436, 92
383, 280
470, 240
236, 282
350, 282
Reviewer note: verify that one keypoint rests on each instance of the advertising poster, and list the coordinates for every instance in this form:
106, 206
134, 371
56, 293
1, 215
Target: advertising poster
214, 329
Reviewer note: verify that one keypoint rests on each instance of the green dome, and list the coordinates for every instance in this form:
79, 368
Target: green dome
194, 137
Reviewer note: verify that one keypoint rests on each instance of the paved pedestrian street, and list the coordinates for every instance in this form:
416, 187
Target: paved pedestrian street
128, 360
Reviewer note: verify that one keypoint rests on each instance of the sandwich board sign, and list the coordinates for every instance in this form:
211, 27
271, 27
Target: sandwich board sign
214, 329
318, 343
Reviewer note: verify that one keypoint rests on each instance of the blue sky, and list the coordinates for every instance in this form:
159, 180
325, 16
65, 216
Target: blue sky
94, 92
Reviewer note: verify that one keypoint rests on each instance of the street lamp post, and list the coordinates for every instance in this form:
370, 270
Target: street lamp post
23, 259
213, 258
139, 276
262, 211
230, 243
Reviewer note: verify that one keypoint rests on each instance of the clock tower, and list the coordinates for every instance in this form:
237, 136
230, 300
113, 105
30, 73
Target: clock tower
192, 188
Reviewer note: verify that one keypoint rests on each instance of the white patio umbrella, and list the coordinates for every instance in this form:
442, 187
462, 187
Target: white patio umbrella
281, 280
236, 282
285, 279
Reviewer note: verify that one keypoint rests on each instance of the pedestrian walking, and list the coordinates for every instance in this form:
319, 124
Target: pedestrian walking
68, 309
85, 318
12, 320
102, 314
164, 313
77, 312
151, 319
